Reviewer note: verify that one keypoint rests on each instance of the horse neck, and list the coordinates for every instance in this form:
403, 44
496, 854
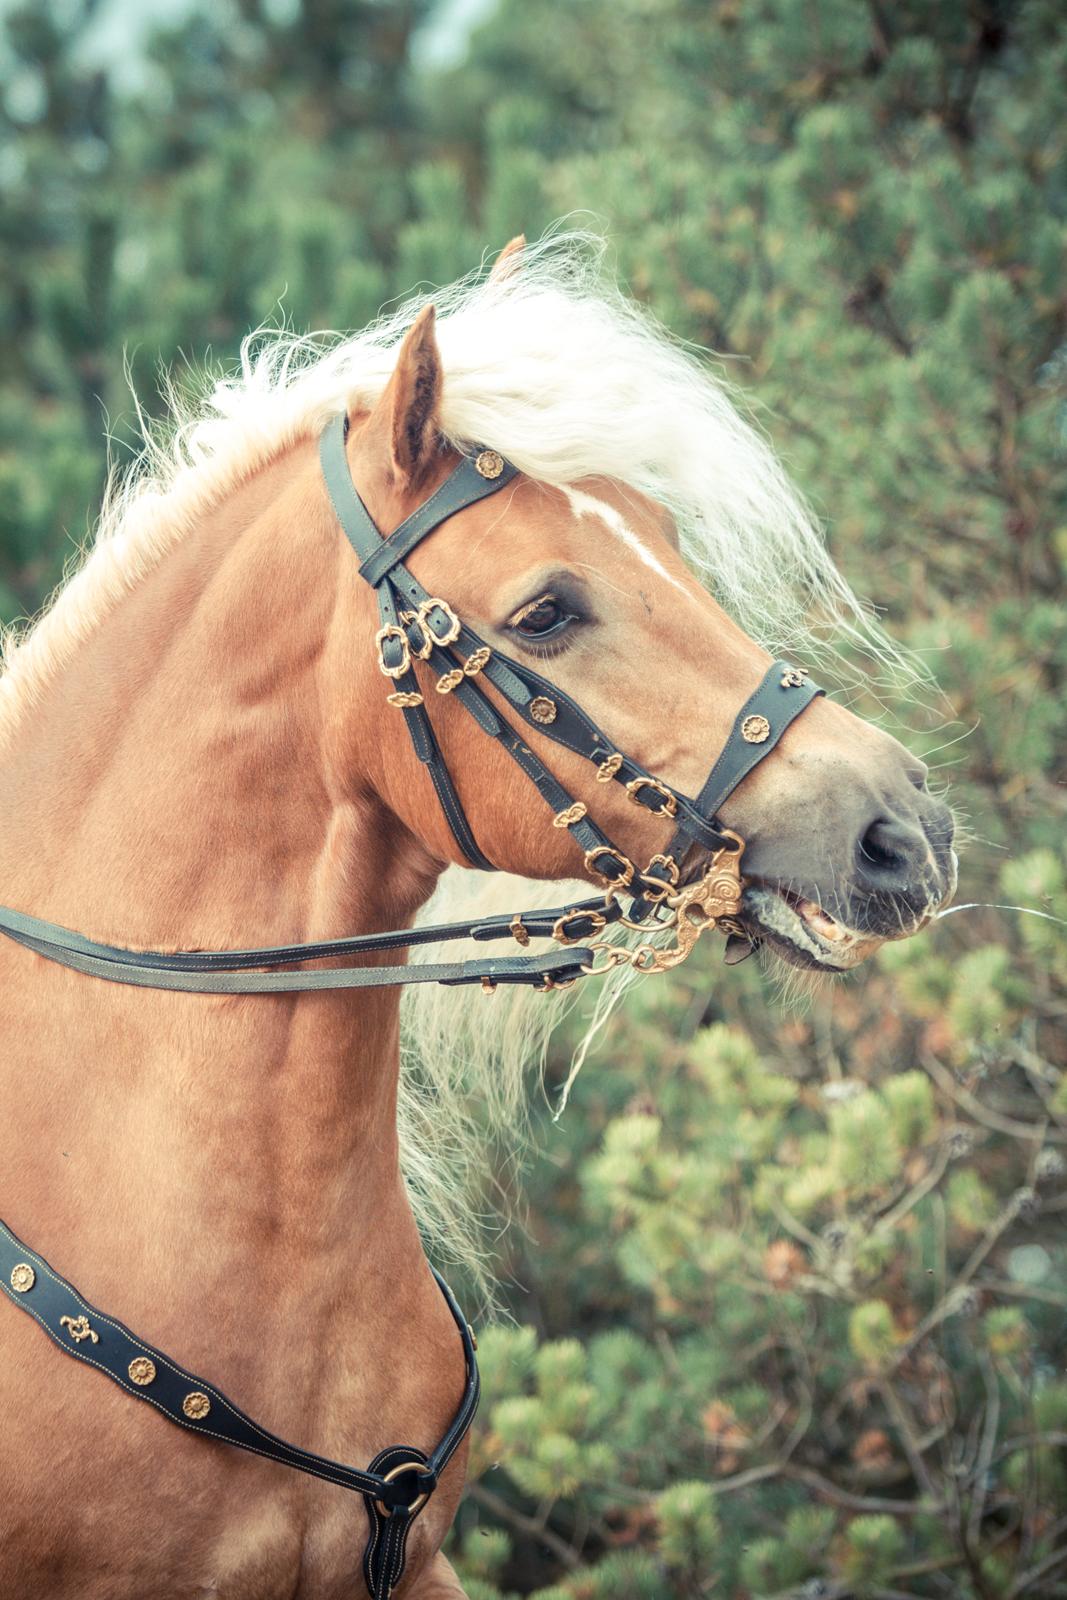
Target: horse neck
188, 778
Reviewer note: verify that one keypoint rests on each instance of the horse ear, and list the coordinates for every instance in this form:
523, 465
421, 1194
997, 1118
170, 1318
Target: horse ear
409, 408
509, 260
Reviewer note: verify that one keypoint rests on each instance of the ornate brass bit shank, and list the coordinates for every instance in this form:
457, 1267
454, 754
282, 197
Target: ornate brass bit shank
714, 897
716, 894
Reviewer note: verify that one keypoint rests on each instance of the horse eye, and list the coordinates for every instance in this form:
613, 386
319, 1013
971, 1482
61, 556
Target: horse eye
541, 619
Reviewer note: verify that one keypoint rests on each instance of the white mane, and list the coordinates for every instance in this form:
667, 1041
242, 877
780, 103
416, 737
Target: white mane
569, 380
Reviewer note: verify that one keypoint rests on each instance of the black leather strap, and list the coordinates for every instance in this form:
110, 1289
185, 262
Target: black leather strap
225, 971
146, 1373
465, 487
782, 694
378, 556
780, 698
386, 1547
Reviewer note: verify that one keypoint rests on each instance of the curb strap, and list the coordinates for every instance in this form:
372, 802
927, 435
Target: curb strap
396, 1485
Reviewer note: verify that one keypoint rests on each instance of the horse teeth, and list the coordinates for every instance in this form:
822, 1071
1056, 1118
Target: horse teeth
820, 920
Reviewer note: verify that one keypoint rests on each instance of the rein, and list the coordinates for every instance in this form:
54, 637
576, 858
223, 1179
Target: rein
418, 626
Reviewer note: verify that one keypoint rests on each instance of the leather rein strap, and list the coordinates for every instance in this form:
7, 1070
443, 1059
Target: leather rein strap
416, 625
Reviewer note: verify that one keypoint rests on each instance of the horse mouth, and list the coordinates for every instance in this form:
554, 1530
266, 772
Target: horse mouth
801, 931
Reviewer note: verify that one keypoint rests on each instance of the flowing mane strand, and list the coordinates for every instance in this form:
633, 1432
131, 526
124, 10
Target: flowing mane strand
552, 366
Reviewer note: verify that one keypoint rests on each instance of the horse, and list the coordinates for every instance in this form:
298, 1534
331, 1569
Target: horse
197, 742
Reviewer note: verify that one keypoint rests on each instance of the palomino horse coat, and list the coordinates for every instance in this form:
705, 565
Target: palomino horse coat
198, 752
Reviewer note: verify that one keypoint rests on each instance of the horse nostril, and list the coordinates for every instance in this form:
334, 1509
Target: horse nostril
889, 853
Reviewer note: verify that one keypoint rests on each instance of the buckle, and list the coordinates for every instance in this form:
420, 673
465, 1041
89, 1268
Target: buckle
398, 1501
656, 886
635, 788
574, 926
619, 879
392, 630
449, 634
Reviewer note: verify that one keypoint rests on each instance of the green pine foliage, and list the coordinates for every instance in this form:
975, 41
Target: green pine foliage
791, 1301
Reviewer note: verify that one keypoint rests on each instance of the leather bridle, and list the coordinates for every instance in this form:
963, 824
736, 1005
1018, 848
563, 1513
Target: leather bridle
418, 626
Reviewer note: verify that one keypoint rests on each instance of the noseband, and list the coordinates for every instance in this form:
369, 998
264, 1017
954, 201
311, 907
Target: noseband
418, 626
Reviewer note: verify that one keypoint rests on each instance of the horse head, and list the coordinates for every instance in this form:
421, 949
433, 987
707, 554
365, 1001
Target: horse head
584, 582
